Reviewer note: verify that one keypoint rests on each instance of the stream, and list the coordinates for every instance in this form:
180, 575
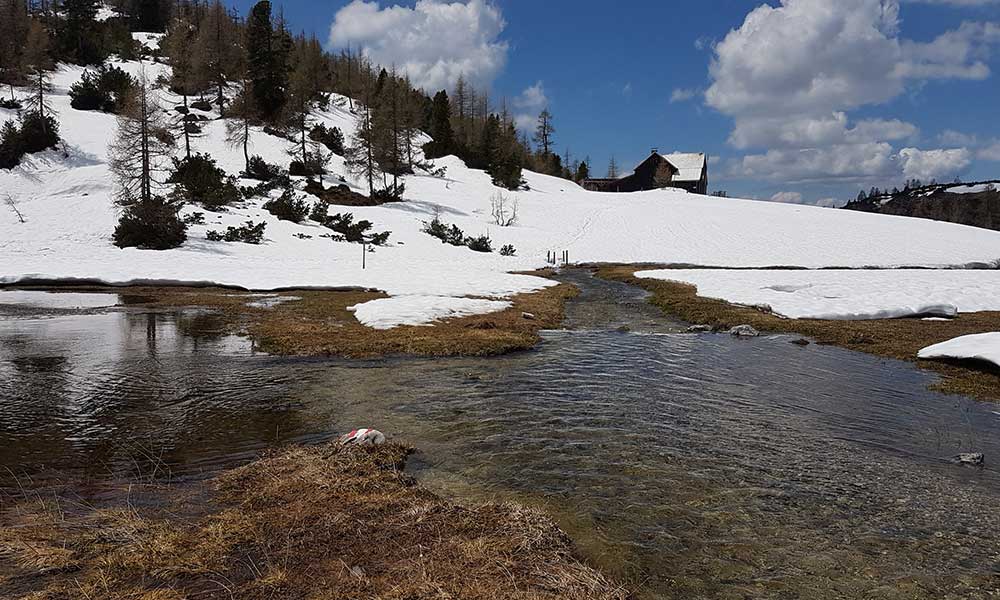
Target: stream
691, 466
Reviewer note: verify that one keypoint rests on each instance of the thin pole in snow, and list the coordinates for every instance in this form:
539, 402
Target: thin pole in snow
364, 254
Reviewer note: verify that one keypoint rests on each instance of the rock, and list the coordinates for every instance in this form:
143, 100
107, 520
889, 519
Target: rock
181, 109
975, 459
202, 105
744, 331
528, 316
363, 437
698, 329
801, 342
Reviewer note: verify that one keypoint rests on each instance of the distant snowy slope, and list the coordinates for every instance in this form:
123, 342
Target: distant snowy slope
70, 216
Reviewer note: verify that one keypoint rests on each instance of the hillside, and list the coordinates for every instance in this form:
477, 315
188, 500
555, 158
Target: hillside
975, 204
66, 201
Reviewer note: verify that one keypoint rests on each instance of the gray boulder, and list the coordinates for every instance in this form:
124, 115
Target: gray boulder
744, 331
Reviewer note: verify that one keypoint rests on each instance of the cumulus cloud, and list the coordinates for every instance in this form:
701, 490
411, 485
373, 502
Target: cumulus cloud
529, 103
990, 152
933, 164
434, 42
790, 75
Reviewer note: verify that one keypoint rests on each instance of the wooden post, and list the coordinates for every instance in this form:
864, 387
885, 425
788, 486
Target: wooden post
364, 253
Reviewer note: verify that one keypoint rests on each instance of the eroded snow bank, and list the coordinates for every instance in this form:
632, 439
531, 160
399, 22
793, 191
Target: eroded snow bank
848, 295
67, 300
387, 313
984, 346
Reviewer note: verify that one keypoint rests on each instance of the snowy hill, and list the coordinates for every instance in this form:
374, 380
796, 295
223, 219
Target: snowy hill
69, 214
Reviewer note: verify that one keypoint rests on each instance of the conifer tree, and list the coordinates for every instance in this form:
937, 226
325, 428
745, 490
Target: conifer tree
583, 170
242, 113
77, 37
138, 159
440, 127
267, 51
218, 55
543, 133
38, 63
14, 26
613, 168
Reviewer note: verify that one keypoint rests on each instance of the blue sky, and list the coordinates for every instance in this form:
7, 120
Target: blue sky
810, 99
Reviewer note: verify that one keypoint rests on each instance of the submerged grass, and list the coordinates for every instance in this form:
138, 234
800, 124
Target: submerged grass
900, 339
318, 523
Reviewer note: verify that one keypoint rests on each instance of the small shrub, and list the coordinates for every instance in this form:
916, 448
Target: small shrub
447, 234
355, 232
320, 212
261, 170
11, 104
508, 250
248, 233
10, 145
38, 133
480, 244
153, 225
104, 89
288, 207
195, 218
389, 194
202, 105
202, 181
331, 137
298, 169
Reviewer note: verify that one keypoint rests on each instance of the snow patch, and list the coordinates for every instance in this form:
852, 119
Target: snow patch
388, 313
848, 295
57, 300
983, 346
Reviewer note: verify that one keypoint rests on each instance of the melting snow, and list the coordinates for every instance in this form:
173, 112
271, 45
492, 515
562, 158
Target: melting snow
984, 346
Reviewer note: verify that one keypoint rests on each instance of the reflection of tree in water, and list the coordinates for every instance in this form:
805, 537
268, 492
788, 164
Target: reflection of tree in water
35, 379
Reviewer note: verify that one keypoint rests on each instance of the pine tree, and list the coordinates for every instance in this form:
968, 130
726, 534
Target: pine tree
242, 113
38, 63
361, 153
298, 108
149, 15
440, 127
14, 26
583, 170
139, 154
543, 133
613, 168
138, 159
267, 51
218, 57
77, 37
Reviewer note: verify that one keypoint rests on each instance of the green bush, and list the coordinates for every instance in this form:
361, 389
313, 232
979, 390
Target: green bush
480, 244
248, 233
288, 207
320, 212
38, 133
202, 181
355, 232
331, 137
508, 250
451, 234
261, 170
153, 225
104, 89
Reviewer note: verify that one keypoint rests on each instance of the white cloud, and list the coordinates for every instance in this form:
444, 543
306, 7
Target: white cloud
532, 98
683, 94
790, 75
434, 42
934, 164
990, 152
530, 103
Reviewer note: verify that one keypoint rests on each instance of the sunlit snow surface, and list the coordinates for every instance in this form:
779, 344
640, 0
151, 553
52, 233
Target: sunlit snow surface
984, 347
387, 313
66, 202
854, 294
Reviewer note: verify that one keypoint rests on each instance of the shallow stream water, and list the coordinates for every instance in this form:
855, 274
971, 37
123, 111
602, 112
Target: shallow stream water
693, 466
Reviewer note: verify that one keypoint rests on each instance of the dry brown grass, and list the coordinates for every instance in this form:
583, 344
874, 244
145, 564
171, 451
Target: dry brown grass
319, 324
303, 523
894, 338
